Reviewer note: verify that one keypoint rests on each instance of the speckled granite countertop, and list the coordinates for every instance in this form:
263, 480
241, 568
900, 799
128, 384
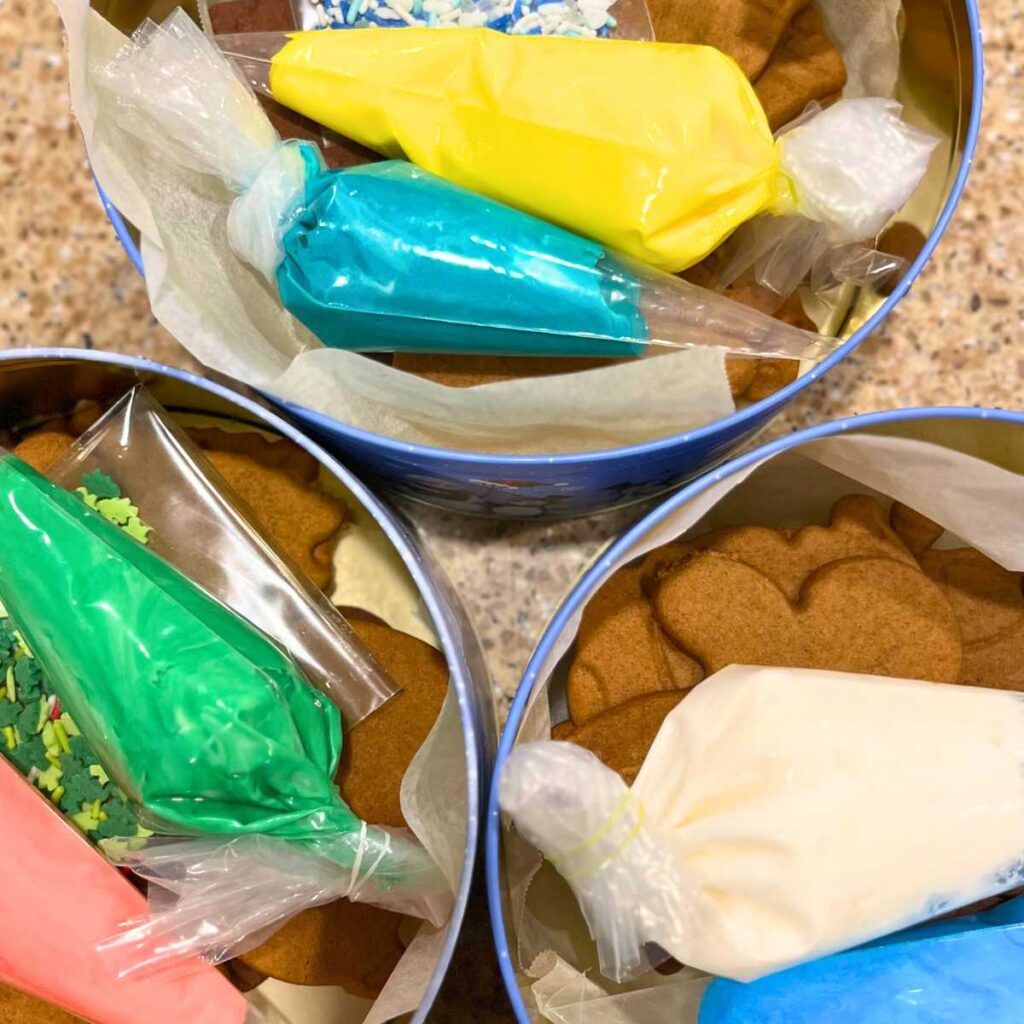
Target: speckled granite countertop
64, 280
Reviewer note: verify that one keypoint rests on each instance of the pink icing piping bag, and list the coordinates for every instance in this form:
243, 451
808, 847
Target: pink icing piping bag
58, 899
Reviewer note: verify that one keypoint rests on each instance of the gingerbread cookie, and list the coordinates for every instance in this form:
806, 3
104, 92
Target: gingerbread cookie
858, 528
18, 1008
905, 242
988, 603
771, 375
746, 30
621, 652
278, 482
563, 730
378, 750
459, 371
352, 945
472, 371
741, 372
44, 448
622, 735
805, 67
236, 16
917, 531
757, 378
872, 615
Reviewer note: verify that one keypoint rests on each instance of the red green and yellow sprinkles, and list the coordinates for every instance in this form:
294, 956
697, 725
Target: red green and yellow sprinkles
41, 739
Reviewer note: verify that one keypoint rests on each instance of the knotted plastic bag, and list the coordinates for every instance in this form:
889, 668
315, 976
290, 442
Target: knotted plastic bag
208, 727
782, 815
391, 257
657, 150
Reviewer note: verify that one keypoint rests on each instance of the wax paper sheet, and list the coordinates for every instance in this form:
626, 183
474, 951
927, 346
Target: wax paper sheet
867, 34
966, 475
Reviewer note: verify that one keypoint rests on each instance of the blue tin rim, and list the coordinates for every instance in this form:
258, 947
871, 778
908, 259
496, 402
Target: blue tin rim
472, 729
585, 587
739, 421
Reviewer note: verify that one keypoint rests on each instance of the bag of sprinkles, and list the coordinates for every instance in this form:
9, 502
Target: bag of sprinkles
620, 19
617, 19
137, 462
390, 257
211, 732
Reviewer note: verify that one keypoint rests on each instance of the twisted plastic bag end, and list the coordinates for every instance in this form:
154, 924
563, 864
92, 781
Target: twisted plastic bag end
584, 819
840, 199
855, 189
216, 900
182, 98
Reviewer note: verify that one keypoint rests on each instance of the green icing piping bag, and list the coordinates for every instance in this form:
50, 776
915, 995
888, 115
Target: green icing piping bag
208, 728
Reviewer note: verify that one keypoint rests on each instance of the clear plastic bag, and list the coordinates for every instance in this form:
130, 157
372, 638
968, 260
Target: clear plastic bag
204, 530
233, 895
782, 815
663, 167
782, 253
391, 257
209, 728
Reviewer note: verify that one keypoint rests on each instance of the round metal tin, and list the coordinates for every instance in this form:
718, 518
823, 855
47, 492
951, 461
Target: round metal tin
35, 383
941, 81
923, 423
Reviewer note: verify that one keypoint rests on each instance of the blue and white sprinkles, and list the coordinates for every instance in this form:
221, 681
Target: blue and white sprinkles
585, 18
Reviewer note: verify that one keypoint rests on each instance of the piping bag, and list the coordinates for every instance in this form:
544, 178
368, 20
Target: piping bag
209, 729
657, 150
58, 900
782, 815
392, 257
967, 969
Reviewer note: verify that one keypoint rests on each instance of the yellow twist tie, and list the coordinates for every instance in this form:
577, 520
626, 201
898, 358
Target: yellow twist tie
560, 861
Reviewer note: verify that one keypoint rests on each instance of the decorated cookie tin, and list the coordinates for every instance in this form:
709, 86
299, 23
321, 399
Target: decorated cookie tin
36, 386
940, 86
953, 476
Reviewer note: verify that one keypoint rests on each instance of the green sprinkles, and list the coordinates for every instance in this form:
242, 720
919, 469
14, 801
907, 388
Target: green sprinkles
40, 739
99, 484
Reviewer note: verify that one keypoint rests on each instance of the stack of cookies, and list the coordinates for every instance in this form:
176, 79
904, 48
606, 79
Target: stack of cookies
868, 593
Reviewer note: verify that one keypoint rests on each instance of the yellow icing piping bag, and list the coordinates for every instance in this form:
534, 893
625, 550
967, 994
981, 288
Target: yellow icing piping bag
658, 150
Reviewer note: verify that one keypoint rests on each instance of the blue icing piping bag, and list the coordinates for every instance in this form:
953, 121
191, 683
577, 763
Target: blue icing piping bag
393, 258
962, 971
